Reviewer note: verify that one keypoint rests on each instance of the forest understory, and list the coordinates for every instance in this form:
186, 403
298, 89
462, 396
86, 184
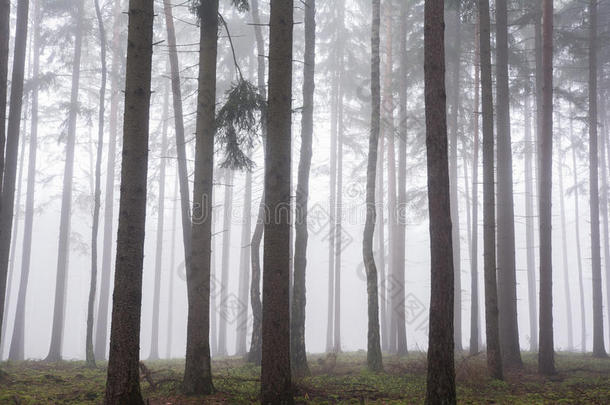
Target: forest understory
334, 380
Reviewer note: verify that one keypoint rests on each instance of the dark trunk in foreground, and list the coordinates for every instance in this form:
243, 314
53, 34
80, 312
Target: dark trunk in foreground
123, 381
5, 34
440, 386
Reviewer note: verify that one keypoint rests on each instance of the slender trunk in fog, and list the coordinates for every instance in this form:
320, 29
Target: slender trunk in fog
244, 267
381, 252
297, 327
154, 339
16, 352
474, 245
90, 356
7, 199
546, 362
198, 369
564, 241
172, 268
5, 34
401, 225
494, 358
338, 225
529, 225
226, 246
507, 277
374, 359
101, 330
254, 355
604, 199
453, 173
387, 129
276, 385
185, 208
440, 387
583, 324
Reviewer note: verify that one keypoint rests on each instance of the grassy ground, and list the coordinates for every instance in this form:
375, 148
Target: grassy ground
343, 380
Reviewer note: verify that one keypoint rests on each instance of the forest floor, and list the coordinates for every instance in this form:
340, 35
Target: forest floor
335, 380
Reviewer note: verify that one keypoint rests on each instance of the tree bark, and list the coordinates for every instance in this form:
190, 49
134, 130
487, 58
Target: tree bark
172, 269
154, 338
598, 320
197, 371
297, 332
226, 246
546, 363
123, 381
5, 34
374, 359
7, 200
101, 331
440, 385
507, 278
244, 269
90, 356
276, 386
16, 352
474, 244
494, 357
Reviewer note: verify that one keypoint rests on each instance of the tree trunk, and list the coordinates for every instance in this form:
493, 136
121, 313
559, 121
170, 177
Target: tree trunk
90, 356
254, 355
401, 224
5, 34
388, 133
583, 323
474, 244
529, 225
226, 249
66, 202
244, 273
297, 332
546, 363
123, 381
507, 278
494, 358
374, 360
381, 251
154, 339
604, 147
197, 371
453, 173
338, 218
276, 386
185, 208
12, 146
172, 269
16, 352
564, 241
101, 331
440, 386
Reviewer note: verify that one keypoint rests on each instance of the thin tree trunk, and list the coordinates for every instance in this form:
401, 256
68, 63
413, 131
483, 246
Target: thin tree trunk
546, 362
583, 323
401, 224
598, 328
90, 356
16, 352
66, 203
254, 355
123, 381
297, 332
374, 359
440, 384
453, 170
529, 226
154, 339
276, 386
101, 332
604, 147
564, 242
185, 208
494, 357
172, 268
338, 222
381, 252
226, 249
244, 270
12, 145
507, 277
474, 245
198, 370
